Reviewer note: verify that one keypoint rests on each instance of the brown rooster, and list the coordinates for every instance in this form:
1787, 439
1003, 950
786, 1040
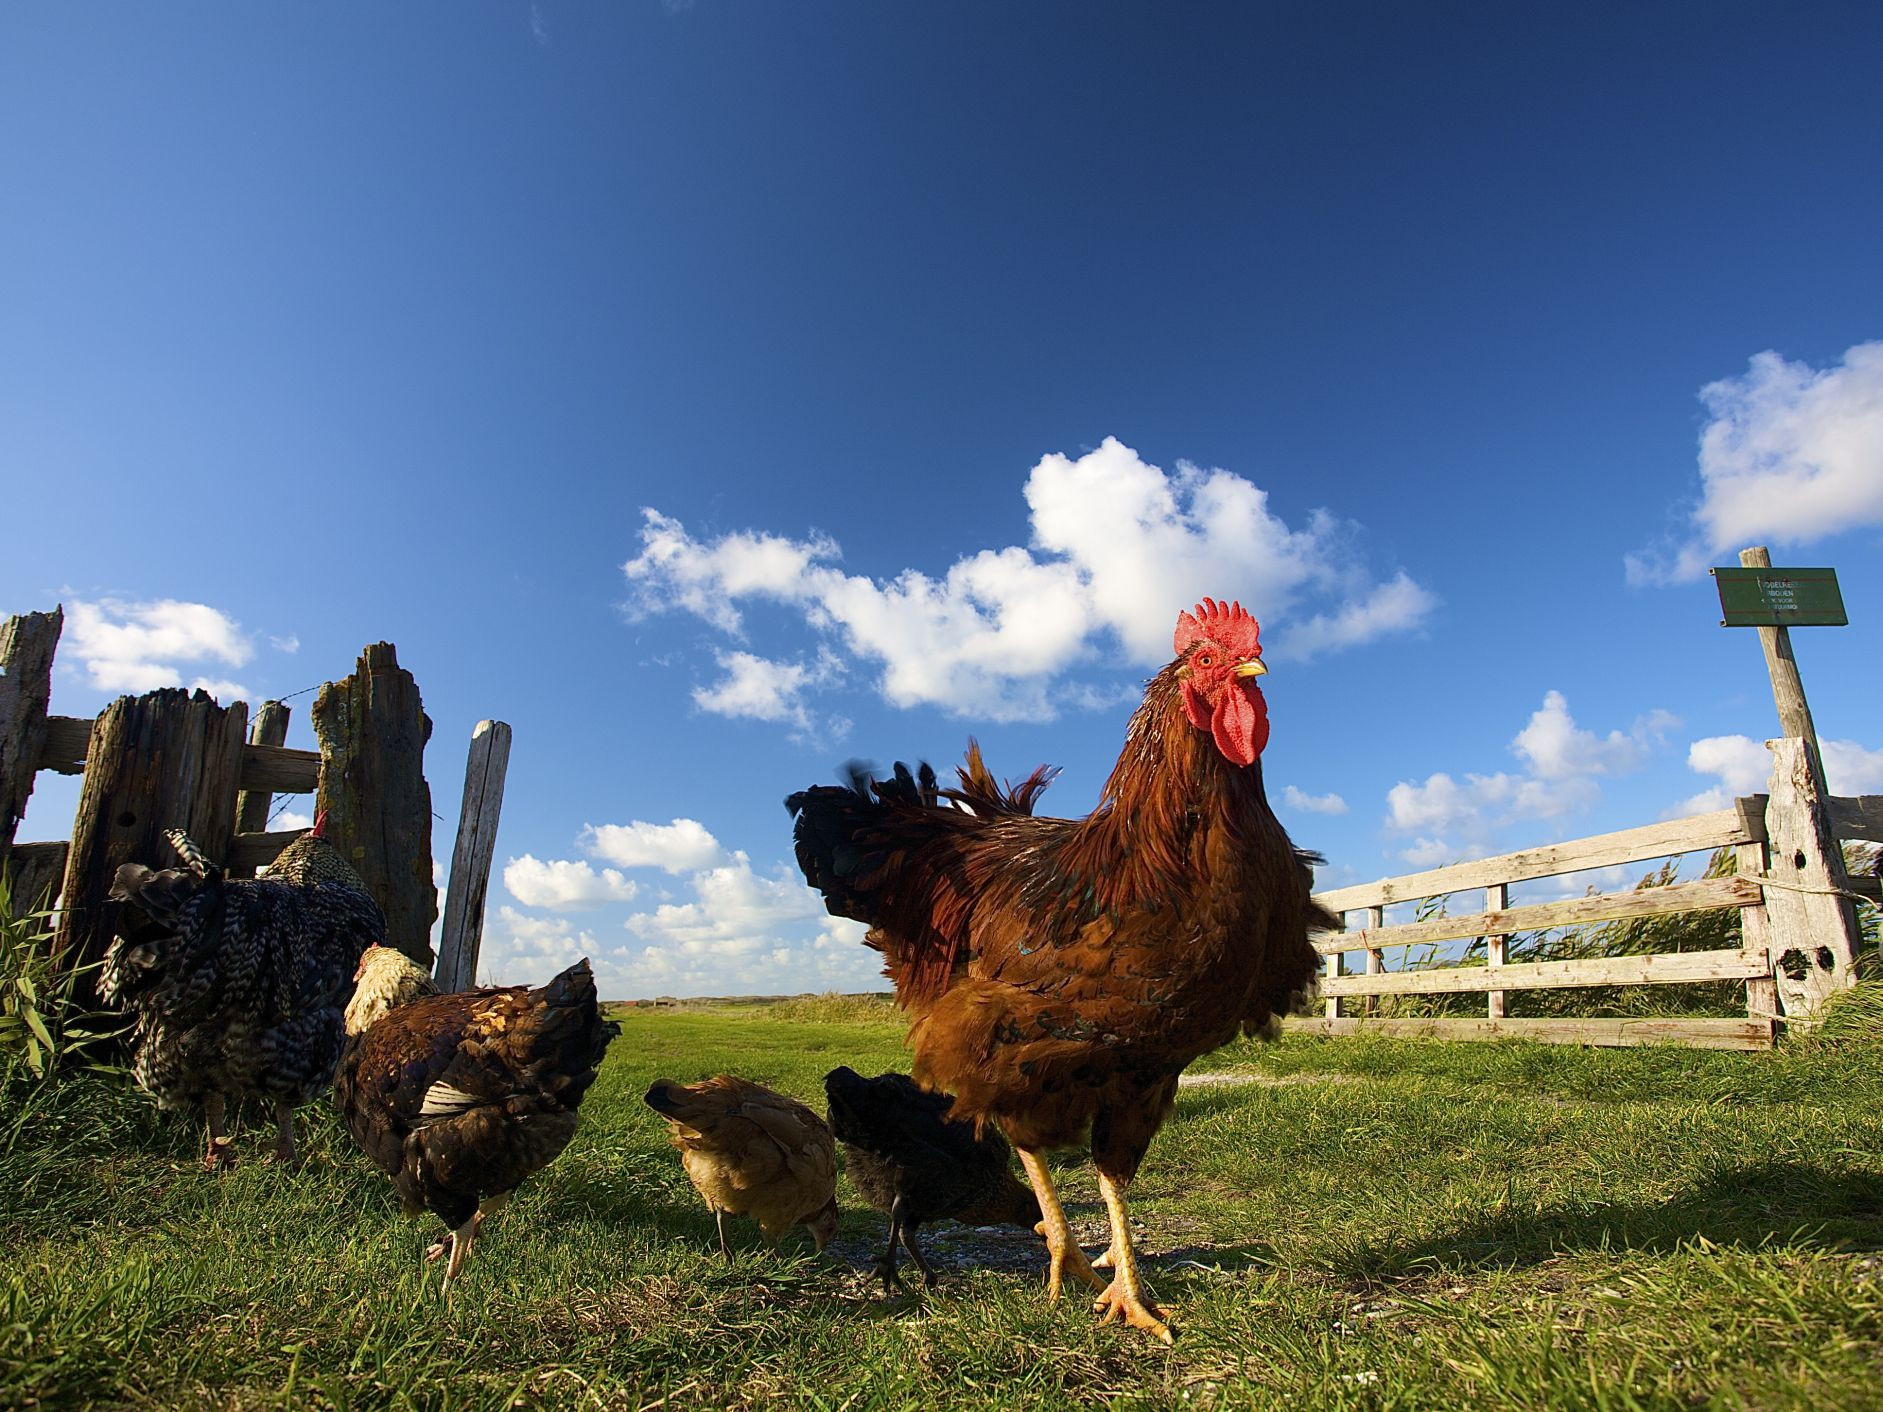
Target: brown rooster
1062, 973
751, 1152
460, 1097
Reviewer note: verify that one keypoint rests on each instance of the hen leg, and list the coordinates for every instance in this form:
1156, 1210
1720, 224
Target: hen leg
284, 1134
219, 1153
1059, 1242
915, 1253
886, 1262
725, 1248
1124, 1299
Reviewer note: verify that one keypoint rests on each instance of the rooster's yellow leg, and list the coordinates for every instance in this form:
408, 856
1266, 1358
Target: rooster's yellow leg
1059, 1242
1123, 1298
220, 1152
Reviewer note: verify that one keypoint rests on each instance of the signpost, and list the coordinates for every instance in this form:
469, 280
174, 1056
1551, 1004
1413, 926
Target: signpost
1779, 598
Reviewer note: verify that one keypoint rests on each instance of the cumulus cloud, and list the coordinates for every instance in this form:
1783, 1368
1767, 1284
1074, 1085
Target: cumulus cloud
1118, 547
680, 847
1313, 803
1557, 749
562, 886
1743, 766
1456, 819
759, 689
138, 646
1789, 455
291, 819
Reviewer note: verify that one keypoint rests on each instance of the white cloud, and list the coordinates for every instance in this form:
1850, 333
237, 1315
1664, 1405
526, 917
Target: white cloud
1313, 803
563, 886
1556, 749
290, 643
224, 691
759, 689
1119, 547
680, 847
138, 646
1457, 819
1744, 766
291, 819
1789, 456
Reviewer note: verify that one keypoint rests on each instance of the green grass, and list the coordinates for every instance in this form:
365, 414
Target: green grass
1360, 1223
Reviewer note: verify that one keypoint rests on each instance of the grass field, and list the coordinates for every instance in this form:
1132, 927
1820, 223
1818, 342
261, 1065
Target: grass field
1347, 1224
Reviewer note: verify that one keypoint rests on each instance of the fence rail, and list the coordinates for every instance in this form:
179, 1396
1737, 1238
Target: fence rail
1799, 936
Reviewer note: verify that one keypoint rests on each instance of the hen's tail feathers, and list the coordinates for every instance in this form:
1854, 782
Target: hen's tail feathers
190, 852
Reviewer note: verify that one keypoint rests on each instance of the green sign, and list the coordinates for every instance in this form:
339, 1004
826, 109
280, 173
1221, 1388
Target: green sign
1779, 598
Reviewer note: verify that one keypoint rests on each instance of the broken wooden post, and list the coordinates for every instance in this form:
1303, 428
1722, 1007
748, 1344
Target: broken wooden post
372, 729
170, 759
27, 643
1812, 926
252, 805
472, 855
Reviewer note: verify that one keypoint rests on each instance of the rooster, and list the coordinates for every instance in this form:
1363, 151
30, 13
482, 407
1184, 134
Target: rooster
235, 986
751, 1152
1060, 973
460, 1097
914, 1165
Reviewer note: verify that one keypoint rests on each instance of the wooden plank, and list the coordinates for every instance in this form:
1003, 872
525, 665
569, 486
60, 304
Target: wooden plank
270, 767
36, 871
170, 759
372, 730
1658, 968
1814, 934
249, 852
279, 770
1857, 816
252, 804
1692, 1033
1573, 911
472, 855
67, 739
1606, 850
27, 644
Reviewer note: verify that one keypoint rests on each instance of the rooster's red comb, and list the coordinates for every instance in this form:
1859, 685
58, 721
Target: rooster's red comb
320, 825
1228, 625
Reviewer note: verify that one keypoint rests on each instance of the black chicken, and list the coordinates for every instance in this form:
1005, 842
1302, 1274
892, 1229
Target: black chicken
236, 986
915, 1165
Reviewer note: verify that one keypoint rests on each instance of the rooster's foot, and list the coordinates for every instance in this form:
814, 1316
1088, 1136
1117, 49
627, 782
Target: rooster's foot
220, 1154
1125, 1305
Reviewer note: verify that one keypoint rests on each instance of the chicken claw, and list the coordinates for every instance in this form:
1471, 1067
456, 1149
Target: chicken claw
1127, 1306
1123, 1299
1060, 1245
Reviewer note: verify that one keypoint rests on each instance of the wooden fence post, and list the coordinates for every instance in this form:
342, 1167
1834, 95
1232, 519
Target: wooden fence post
1496, 899
1755, 928
251, 805
1813, 935
170, 759
27, 644
471, 856
372, 729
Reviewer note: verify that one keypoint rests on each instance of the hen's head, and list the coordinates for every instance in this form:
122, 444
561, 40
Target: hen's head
385, 980
1219, 656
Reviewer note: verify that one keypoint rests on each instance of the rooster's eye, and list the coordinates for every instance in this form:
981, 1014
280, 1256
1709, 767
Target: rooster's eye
1205, 660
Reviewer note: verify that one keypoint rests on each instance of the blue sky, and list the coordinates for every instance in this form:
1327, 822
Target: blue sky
716, 392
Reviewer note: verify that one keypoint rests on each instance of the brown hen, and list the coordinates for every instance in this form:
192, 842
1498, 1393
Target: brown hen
751, 1152
460, 1097
1062, 973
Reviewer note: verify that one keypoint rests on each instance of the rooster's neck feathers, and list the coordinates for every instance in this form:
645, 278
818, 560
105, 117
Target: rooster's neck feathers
1170, 789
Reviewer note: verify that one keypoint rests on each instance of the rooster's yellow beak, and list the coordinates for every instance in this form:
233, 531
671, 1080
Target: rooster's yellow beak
1251, 668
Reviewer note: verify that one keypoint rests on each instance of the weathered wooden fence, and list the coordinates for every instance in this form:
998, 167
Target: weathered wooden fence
1799, 937
177, 759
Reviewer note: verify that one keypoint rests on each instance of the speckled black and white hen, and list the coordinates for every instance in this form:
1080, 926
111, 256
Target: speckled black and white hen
237, 987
